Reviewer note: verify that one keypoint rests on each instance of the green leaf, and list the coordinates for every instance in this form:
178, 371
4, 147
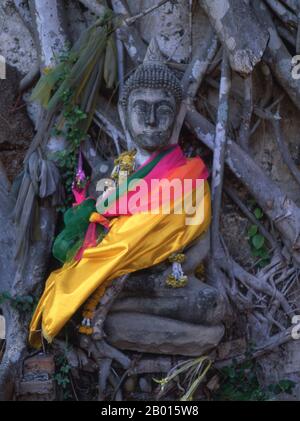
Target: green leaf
258, 213
65, 369
264, 253
6, 295
258, 241
286, 385
252, 230
282, 386
263, 263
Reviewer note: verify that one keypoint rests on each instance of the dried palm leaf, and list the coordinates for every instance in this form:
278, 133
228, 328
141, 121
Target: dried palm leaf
110, 65
195, 370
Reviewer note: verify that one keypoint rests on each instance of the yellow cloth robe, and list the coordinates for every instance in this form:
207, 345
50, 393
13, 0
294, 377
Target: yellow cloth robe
133, 242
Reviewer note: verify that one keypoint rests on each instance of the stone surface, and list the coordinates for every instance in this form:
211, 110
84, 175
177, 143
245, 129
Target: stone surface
16, 42
146, 292
159, 335
39, 364
37, 383
36, 390
172, 23
196, 303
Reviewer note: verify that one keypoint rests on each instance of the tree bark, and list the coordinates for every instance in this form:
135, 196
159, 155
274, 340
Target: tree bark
241, 34
280, 209
219, 152
277, 55
49, 29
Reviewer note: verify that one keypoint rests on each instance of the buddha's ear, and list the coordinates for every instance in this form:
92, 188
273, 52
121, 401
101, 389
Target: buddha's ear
123, 118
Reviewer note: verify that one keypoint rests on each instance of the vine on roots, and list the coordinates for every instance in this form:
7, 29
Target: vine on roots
24, 304
62, 377
74, 134
239, 382
259, 249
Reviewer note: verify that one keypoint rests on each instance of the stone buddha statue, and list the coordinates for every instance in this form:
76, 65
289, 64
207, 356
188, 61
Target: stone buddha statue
164, 309
149, 316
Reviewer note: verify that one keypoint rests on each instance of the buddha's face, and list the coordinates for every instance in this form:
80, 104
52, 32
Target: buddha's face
151, 115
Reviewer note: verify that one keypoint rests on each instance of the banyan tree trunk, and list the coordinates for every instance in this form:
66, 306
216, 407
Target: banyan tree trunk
198, 38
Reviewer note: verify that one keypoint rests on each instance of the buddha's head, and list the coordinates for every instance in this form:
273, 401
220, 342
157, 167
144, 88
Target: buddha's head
151, 98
